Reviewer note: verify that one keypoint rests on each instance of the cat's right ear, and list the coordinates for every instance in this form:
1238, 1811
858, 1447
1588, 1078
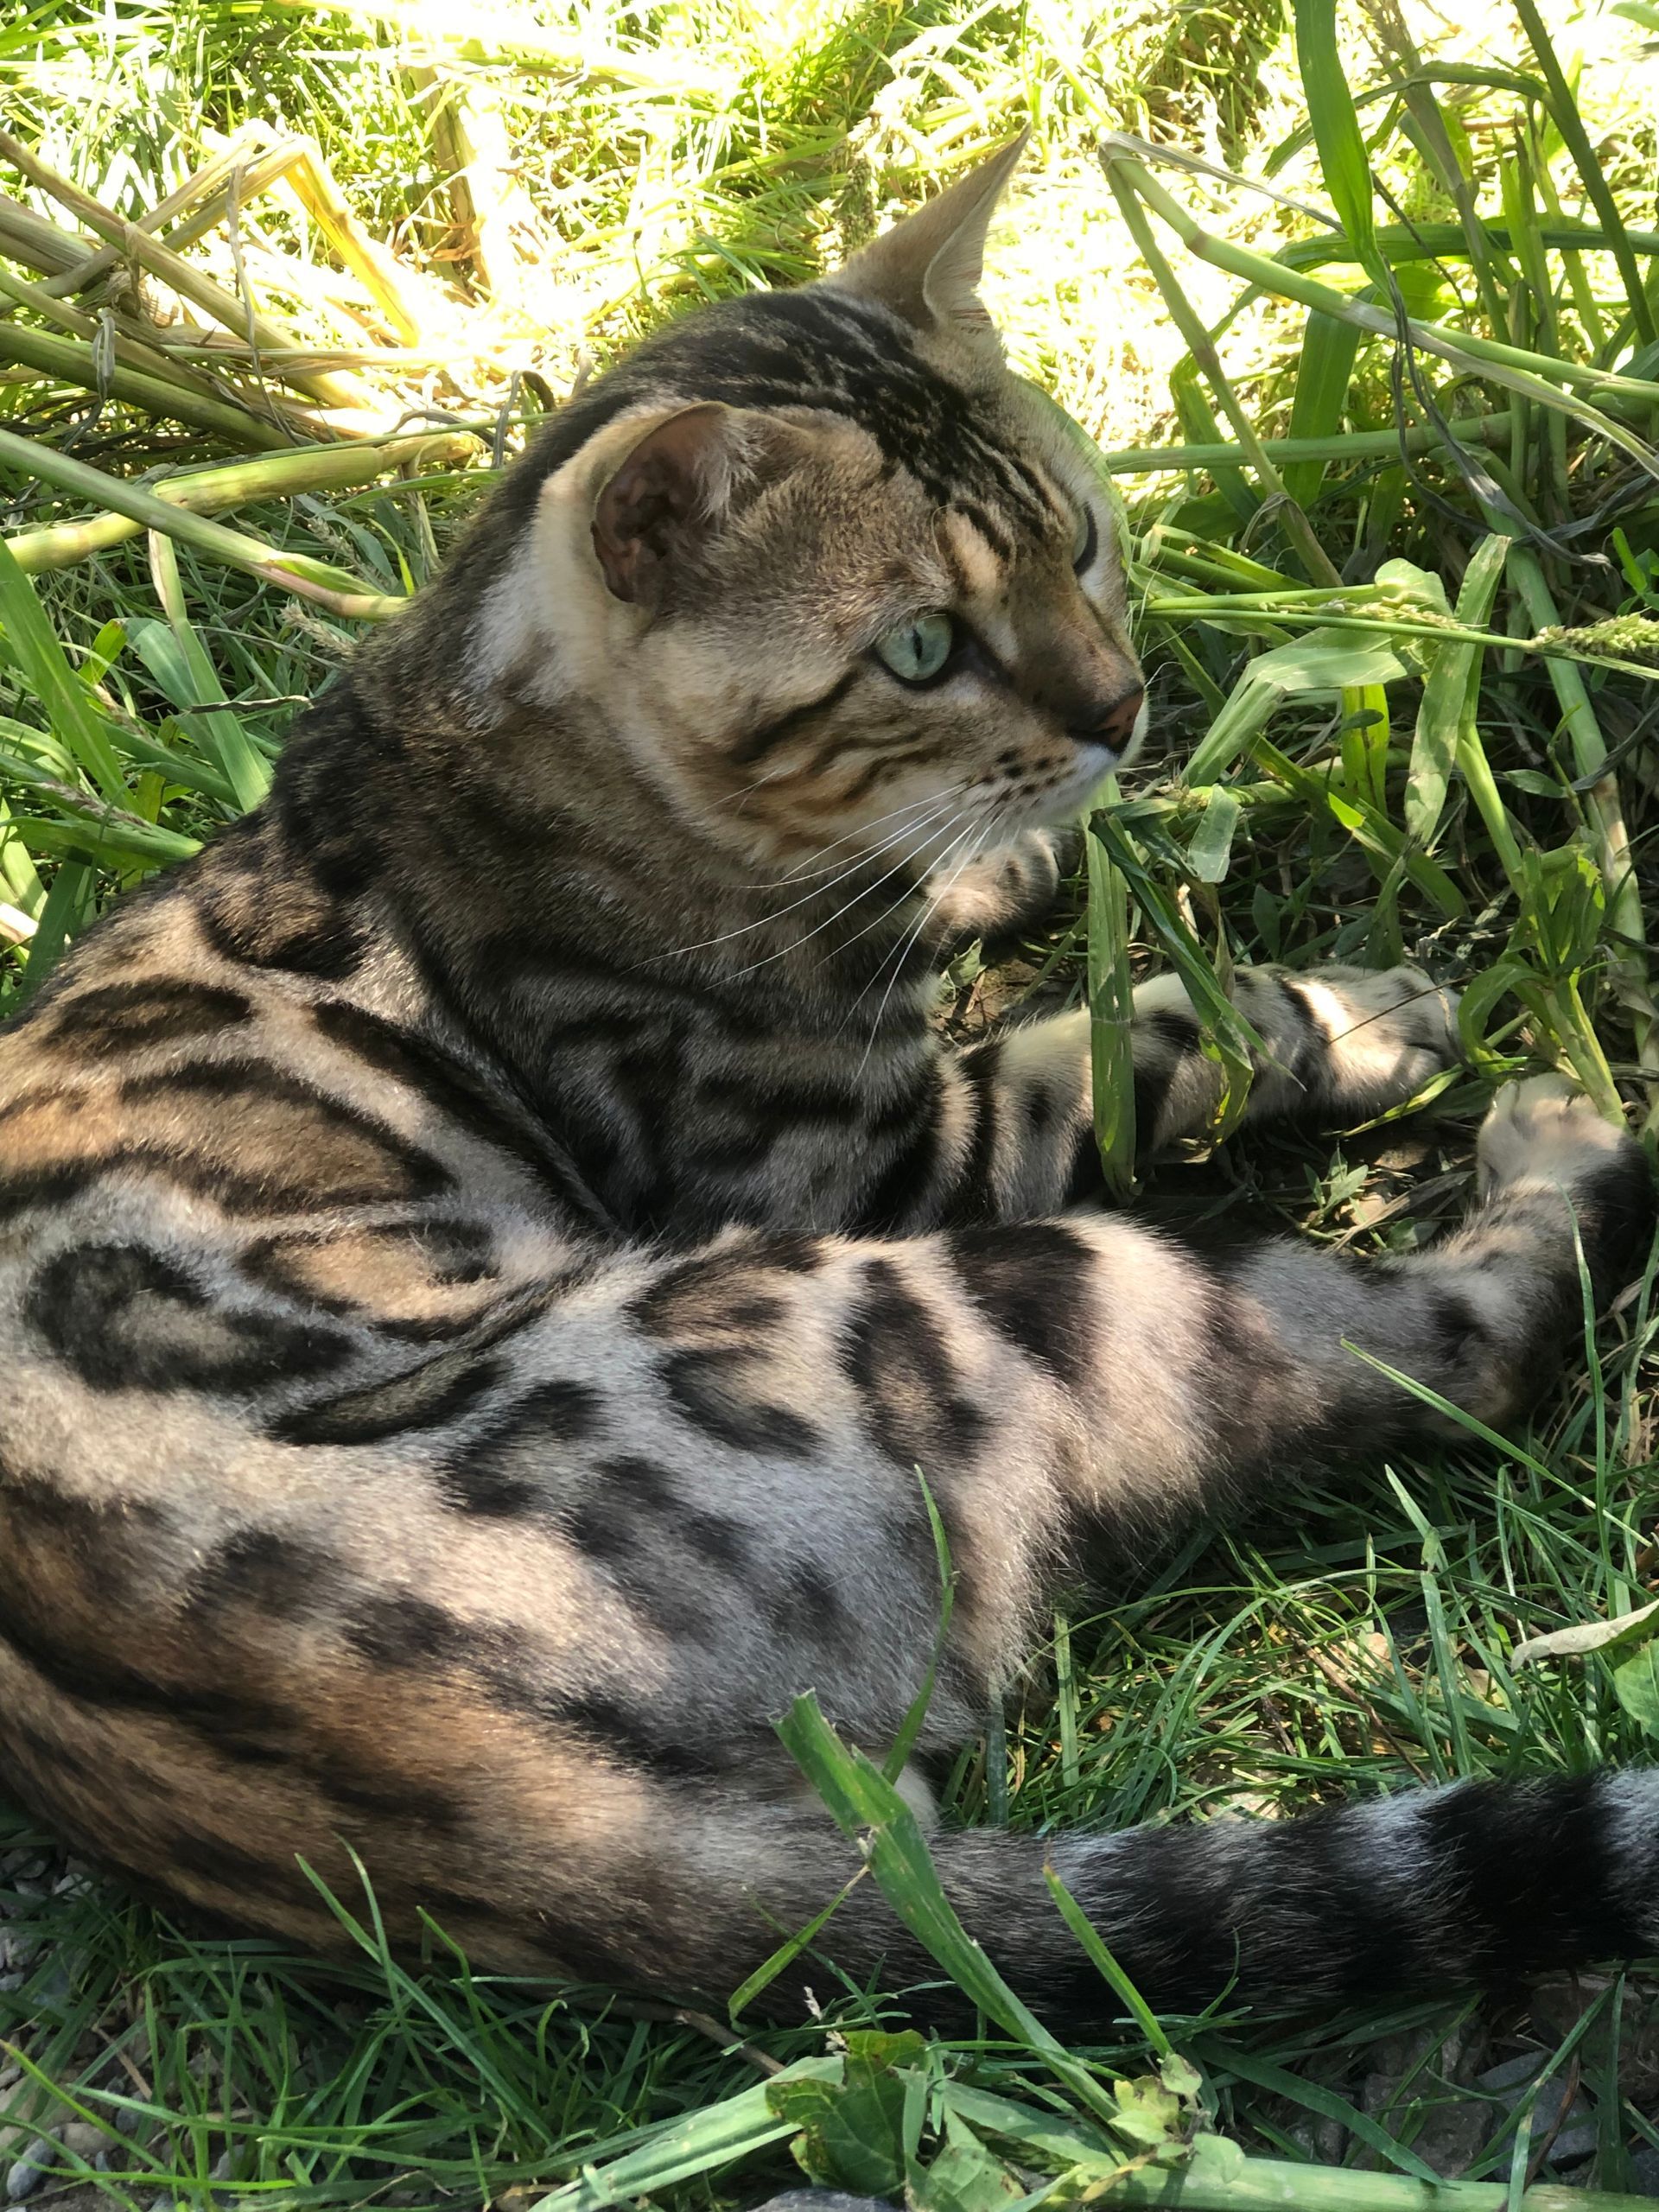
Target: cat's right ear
927, 267
670, 492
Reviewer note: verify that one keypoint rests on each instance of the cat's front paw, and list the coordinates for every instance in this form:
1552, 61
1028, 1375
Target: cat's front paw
1379, 1035
1541, 1135
1010, 888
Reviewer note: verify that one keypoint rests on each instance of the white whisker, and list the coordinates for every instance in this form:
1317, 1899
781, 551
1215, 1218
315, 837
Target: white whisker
823, 890
975, 838
929, 798
819, 929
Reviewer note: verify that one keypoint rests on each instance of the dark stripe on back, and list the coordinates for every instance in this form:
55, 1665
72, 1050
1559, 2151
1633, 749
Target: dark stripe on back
160, 1009
124, 1318
716, 1392
314, 1146
331, 947
510, 1471
1027, 1278
617, 1730
439, 1392
911, 1394
492, 1116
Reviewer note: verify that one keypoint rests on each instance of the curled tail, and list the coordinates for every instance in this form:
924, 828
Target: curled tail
1423, 1894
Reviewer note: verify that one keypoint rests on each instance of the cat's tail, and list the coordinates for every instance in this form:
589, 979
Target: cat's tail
1423, 1893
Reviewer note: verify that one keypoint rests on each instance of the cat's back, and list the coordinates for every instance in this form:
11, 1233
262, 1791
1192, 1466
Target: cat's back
245, 1177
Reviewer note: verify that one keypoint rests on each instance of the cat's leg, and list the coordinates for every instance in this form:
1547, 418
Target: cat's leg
513, 1611
1339, 1045
1241, 1361
1134, 1382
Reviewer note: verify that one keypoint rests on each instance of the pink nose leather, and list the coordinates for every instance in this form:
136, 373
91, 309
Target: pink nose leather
1114, 725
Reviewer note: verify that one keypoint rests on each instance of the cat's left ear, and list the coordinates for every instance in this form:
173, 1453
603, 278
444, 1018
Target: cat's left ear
927, 267
684, 477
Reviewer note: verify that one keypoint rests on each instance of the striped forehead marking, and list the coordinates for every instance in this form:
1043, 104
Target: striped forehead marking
843, 356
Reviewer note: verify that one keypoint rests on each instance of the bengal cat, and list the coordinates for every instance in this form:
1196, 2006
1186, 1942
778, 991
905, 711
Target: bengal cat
485, 1250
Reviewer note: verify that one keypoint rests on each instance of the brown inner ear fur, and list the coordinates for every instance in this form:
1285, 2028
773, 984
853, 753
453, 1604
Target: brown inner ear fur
667, 487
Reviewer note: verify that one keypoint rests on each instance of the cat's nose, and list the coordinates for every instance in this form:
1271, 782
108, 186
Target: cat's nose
1112, 723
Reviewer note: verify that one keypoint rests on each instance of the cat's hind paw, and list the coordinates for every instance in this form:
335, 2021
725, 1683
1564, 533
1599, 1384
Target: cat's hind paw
1543, 1134
1543, 1130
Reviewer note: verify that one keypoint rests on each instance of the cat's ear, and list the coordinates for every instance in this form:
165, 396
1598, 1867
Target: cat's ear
927, 267
673, 488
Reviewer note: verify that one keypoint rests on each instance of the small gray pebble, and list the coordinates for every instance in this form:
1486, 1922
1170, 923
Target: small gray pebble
1517, 2073
822, 2200
1644, 2172
1577, 2140
29, 2172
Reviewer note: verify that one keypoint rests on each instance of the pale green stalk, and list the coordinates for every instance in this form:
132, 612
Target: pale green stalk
1110, 1011
207, 185
1450, 685
188, 280
1289, 514
294, 572
1628, 963
222, 735
1526, 374
1447, 242
242, 483
476, 33
1564, 113
70, 360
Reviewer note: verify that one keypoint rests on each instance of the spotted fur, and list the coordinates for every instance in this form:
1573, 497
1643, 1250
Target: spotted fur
485, 1249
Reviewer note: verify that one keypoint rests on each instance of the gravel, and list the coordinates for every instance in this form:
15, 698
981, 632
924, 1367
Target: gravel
25, 2176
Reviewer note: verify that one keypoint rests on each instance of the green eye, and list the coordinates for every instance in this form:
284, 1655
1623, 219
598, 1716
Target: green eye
1086, 542
918, 649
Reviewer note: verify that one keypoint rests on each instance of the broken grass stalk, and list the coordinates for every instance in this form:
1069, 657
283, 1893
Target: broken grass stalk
242, 483
296, 572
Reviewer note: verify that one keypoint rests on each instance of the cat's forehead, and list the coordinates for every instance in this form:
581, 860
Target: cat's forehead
850, 359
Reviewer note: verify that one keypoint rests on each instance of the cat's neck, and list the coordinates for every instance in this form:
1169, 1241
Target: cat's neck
595, 874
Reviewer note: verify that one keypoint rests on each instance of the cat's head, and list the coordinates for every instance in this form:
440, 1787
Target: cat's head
836, 578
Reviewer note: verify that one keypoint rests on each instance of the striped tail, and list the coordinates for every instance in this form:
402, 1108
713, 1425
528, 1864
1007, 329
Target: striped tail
1480, 1884
1426, 1893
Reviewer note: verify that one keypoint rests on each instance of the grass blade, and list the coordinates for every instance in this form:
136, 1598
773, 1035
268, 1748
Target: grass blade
1450, 689
73, 715
1111, 1010
1336, 132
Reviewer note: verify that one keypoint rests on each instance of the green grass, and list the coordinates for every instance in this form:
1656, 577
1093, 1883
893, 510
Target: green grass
1361, 760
